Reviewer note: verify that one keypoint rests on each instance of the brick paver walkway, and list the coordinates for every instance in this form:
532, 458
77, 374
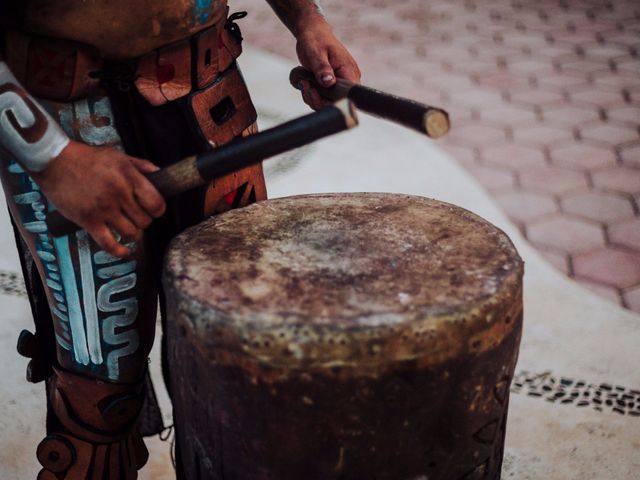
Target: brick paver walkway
545, 104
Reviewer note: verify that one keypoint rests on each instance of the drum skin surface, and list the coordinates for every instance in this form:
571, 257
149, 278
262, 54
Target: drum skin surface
342, 336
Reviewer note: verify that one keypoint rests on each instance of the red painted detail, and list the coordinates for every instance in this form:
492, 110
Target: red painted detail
165, 73
49, 67
220, 41
230, 197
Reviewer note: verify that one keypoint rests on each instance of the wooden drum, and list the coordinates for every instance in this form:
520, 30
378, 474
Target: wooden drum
343, 336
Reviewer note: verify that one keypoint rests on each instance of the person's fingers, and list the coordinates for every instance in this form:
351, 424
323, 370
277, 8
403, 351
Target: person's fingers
305, 85
105, 238
313, 98
349, 72
307, 94
321, 67
344, 65
148, 197
124, 226
144, 166
309, 98
136, 213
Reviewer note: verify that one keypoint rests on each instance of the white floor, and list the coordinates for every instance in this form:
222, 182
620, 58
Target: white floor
569, 333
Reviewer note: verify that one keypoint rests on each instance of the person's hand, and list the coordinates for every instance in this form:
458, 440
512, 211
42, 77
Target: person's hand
320, 52
100, 189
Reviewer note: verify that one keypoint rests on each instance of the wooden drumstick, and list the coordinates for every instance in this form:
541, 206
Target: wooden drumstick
431, 121
199, 170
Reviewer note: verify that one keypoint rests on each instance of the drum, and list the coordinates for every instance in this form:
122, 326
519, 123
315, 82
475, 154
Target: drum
342, 336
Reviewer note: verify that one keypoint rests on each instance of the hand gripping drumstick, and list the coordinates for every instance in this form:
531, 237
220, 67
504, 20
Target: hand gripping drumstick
198, 170
431, 121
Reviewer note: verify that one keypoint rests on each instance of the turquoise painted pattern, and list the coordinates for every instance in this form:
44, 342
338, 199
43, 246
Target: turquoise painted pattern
93, 296
202, 10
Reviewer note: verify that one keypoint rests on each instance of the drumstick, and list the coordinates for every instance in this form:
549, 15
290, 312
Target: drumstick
199, 170
431, 121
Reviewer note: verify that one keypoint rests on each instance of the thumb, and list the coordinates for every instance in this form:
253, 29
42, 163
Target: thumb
322, 70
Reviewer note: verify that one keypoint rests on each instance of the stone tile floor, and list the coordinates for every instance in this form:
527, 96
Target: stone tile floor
544, 98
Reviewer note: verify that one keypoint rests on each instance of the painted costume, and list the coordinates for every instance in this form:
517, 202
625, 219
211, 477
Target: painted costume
158, 80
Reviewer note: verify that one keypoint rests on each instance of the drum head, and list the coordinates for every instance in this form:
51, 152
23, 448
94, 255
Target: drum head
347, 279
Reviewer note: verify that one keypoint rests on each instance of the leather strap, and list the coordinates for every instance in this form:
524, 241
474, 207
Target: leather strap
64, 70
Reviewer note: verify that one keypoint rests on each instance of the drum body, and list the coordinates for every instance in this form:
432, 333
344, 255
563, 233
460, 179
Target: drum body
358, 336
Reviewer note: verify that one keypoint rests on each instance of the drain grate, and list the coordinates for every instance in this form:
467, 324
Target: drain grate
602, 397
12, 284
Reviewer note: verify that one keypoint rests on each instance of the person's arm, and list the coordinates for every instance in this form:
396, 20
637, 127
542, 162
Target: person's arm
318, 48
99, 188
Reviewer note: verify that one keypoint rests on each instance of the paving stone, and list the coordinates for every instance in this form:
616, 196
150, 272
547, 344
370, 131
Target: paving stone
559, 82
596, 96
614, 81
606, 132
477, 135
632, 299
632, 95
627, 113
475, 98
508, 115
588, 25
565, 234
537, 98
569, 115
562, 36
486, 47
502, 80
542, 134
558, 260
471, 67
528, 41
528, 67
551, 51
626, 233
624, 37
598, 206
610, 293
610, 266
513, 157
458, 115
452, 82
628, 65
630, 155
606, 51
573, 64
580, 156
464, 155
523, 207
625, 180
493, 179
553, 180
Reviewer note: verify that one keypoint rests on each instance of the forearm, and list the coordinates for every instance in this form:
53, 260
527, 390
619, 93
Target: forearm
27, 131
298, 15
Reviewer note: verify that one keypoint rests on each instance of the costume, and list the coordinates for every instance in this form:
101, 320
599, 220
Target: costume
96, 313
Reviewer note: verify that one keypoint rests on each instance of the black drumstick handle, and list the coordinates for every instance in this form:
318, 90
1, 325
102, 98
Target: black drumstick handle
428, 120
195, 171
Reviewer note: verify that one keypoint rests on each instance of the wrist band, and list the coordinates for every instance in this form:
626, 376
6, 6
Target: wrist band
27, 131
